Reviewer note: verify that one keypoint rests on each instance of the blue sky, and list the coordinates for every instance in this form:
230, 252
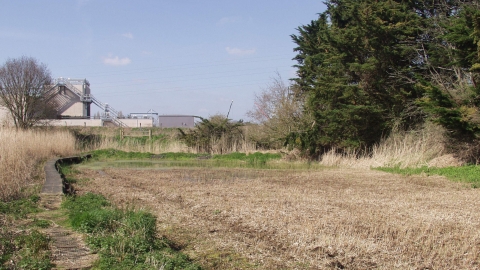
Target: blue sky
175, 57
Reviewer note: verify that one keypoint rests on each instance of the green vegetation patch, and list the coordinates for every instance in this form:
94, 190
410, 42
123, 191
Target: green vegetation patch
117, 158
142, 140
180, 156
256, 158
123, 238
20, 247
104, 154
466, 174
20, 208
118, 154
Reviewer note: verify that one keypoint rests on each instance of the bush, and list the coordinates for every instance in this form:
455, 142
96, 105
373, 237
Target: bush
215, 135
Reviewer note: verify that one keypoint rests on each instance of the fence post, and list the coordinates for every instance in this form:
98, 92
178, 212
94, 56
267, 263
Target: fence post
150, 134
121, 134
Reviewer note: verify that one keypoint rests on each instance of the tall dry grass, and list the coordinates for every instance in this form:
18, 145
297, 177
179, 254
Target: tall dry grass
218, 146
20, 153
170, 143
416, 148
135, 146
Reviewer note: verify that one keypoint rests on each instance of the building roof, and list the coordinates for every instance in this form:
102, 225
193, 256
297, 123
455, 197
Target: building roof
178, 115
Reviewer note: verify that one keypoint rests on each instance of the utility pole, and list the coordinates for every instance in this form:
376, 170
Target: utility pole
229, 109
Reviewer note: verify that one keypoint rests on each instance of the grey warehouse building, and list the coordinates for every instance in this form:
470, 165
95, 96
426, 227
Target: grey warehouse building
176, 121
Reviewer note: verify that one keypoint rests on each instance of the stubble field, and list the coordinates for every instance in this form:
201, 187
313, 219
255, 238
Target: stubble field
232, 218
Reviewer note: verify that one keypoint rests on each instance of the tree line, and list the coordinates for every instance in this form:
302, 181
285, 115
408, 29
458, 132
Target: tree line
365, 68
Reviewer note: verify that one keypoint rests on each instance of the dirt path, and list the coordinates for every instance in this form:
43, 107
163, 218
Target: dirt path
69, 251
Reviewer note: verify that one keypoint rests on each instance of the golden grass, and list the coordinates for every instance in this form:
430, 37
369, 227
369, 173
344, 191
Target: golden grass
109, 140
425, 147
154, 148
324, 219
20, 153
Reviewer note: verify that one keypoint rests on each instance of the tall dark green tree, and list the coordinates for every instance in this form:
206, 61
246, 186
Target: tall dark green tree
355, 67
365, 67
452, 90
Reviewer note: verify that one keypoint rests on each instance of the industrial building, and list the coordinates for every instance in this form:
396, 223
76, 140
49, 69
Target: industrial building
176, 121
73, 99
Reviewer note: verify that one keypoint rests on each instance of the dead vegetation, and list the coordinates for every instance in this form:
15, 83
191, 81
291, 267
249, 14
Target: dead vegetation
426, 146
323, 219
21, 151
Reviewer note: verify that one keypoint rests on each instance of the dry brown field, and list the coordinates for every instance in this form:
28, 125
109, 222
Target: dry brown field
303, 219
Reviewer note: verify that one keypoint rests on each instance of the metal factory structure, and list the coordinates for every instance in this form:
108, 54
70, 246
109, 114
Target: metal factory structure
73, 98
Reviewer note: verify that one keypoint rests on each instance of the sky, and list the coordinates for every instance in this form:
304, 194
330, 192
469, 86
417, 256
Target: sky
187, 57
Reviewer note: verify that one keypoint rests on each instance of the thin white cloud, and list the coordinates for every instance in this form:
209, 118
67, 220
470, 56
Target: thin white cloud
227, 20
128, 35
240, 52
116, 61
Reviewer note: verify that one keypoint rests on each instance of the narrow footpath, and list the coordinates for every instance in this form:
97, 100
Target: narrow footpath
68, 248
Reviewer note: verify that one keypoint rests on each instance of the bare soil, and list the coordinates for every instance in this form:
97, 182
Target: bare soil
285, 219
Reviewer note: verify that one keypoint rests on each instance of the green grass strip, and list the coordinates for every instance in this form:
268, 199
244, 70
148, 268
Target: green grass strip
118, 154
123, 238
23, 246
20, 208
254, 157
465, 174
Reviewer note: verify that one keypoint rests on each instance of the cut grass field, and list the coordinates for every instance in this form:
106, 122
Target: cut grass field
238, 218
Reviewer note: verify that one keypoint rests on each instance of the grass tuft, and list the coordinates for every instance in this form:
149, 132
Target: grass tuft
20, 208
123, 238
22, 248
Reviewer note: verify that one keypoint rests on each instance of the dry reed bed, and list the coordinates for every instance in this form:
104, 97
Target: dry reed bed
154, 148
218, 146
20, 153
416, 148
335, 218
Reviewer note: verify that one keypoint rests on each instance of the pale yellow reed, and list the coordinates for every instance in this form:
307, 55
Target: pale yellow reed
21, 151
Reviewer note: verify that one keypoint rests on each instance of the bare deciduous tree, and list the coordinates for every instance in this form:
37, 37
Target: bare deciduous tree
277, 109
24, 91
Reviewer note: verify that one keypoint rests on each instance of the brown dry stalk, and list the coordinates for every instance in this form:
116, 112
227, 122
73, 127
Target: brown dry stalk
416, 148
327, 219
22, 150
